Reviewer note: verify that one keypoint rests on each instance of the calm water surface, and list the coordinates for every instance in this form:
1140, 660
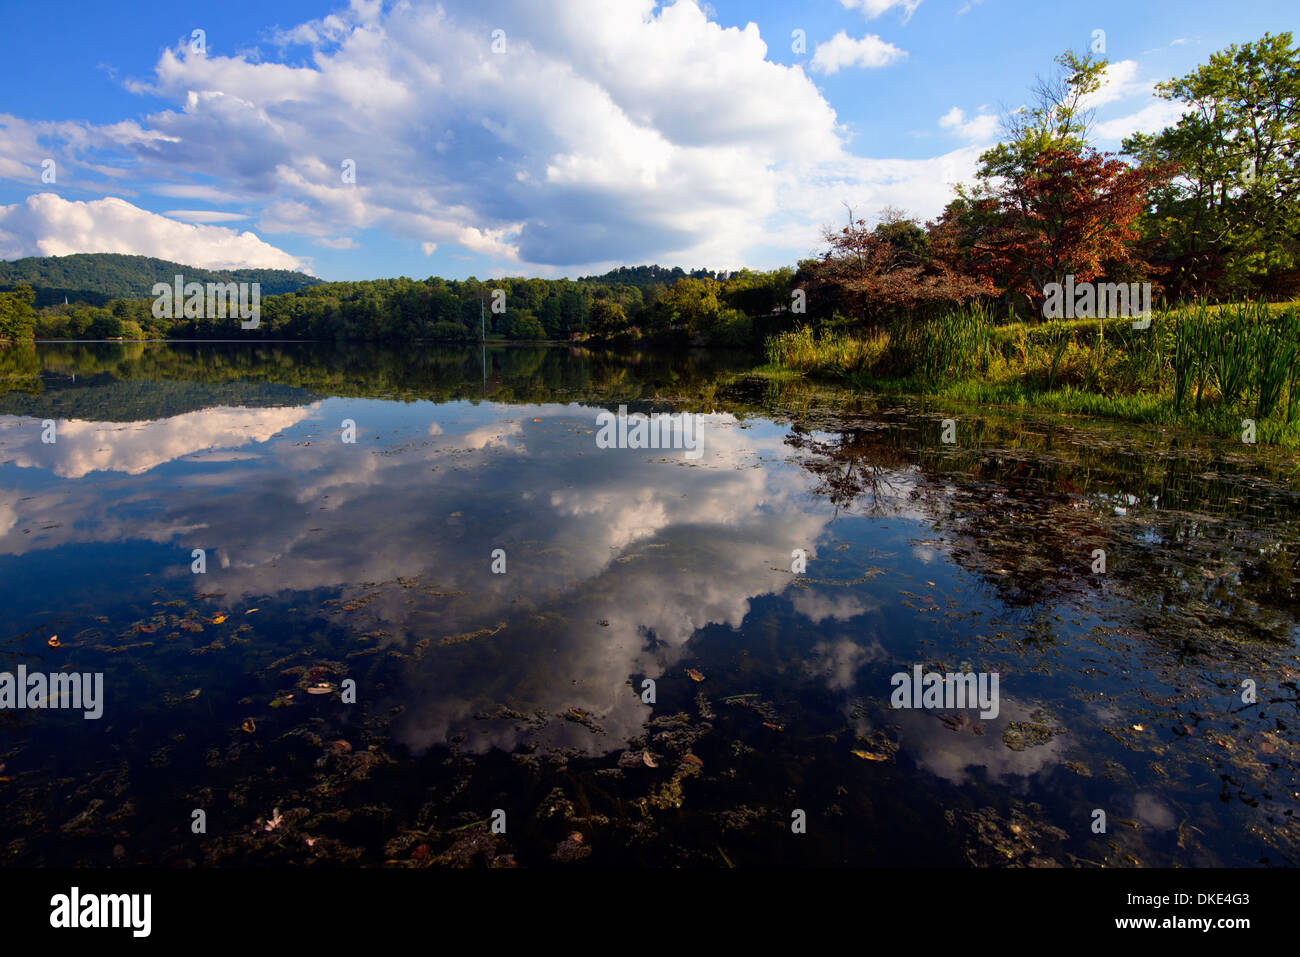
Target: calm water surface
370, 565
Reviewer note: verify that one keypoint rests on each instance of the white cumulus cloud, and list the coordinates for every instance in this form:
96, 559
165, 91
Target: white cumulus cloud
49, 225
842, 50
604, 132
978, 128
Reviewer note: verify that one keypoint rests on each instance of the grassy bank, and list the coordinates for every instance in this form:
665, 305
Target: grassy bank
1205, 367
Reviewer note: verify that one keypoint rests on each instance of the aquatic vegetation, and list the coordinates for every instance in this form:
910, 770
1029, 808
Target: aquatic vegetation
1199, 365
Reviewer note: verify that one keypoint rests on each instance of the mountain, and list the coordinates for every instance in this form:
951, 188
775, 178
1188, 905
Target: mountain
95, 278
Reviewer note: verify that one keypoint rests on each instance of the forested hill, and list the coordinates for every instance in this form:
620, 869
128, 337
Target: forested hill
643, 277
96, 278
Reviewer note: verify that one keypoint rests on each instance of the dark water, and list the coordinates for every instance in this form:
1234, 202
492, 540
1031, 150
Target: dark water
369, 565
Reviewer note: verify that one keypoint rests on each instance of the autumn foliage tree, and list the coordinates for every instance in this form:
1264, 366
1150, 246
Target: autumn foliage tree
896, 268
1065, 210
1047, 204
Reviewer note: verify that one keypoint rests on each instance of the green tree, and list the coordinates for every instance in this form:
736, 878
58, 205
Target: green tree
607, 319
17, 319
1228, 224
693, 304
1059, 118
524, 325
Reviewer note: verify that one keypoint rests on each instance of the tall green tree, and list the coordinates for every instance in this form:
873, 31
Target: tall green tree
16, 316
1059, 118
1228, 224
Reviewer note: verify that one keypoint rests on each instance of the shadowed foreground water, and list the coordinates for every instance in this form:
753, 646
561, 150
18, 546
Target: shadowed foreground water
369, 565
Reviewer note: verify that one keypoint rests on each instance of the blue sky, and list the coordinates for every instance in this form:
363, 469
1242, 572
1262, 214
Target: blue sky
595, 133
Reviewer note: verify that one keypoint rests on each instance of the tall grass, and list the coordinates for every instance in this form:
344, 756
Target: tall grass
1276, 342
1203, 364
1229, 351
802, 350
947, 348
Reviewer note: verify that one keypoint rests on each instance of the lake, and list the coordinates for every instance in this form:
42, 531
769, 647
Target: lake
399, 607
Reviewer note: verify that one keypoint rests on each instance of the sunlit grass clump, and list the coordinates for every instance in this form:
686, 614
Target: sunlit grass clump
1210, 367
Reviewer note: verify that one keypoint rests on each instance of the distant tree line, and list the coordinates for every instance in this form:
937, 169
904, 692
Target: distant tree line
630, 304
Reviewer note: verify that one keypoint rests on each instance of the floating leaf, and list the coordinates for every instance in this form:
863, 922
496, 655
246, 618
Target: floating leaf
689, 758
54, 641
219, 619
250, 611
649, 761
323, 688
249, 726
695, 675
871, 756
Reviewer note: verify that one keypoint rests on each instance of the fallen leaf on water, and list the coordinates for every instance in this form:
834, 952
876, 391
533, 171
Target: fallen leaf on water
769, 724
577, 713
249, 726
219, 619
689, 758
695, 675
870, 756
323, 688
649, 761
250, 611
54, 641
1138, 727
